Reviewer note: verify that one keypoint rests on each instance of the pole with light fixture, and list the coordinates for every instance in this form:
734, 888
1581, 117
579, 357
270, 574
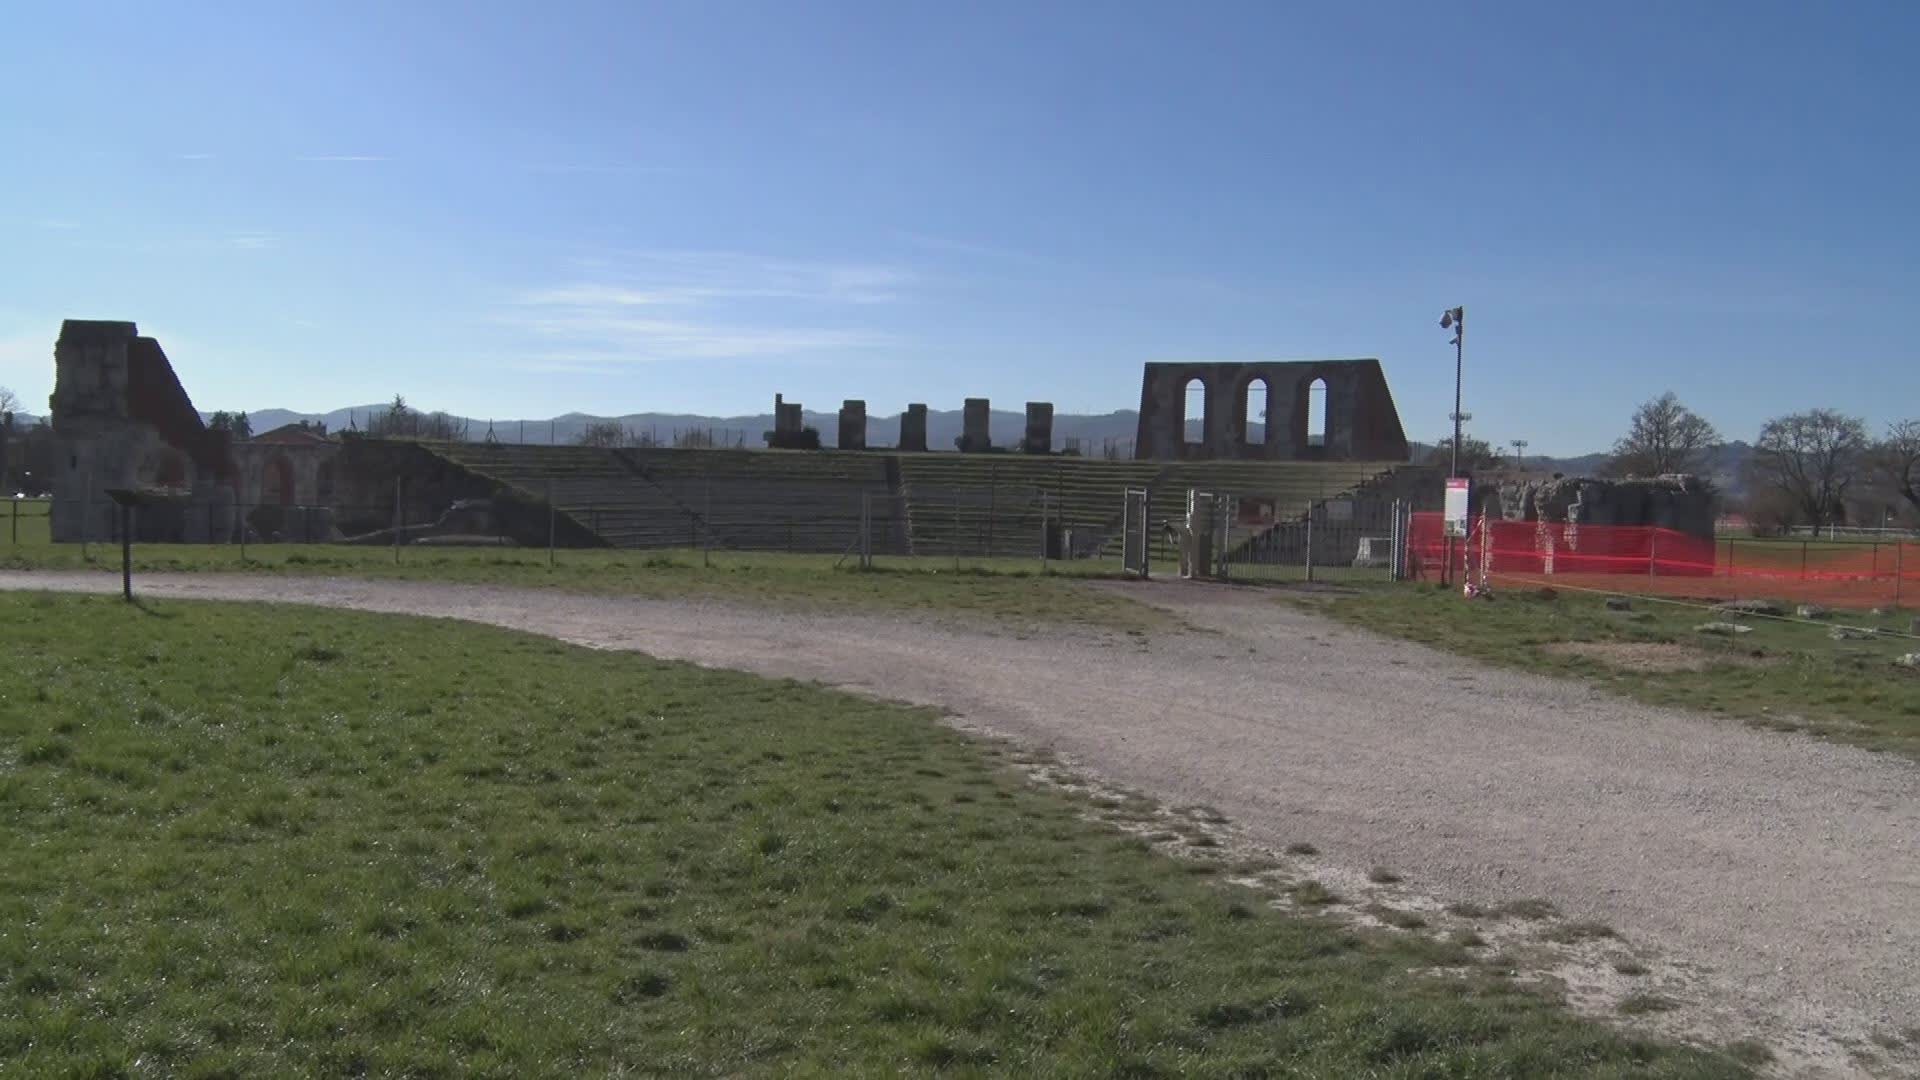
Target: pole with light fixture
1455, 319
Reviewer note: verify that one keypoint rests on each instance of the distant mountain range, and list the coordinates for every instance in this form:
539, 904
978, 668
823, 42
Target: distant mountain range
1094, 431
1007, 428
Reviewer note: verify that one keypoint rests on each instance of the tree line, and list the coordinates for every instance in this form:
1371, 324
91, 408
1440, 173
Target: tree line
1818, 468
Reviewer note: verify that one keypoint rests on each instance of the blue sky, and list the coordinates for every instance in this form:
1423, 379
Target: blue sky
530, 209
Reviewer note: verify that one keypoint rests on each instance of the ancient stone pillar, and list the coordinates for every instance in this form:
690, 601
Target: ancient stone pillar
975, 421
853, 425
913, 429
1039, 438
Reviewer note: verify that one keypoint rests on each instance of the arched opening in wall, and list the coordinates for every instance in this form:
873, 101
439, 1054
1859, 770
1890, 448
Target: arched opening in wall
1253, 413
276, 482
1317, 413
1193, 411
323, 481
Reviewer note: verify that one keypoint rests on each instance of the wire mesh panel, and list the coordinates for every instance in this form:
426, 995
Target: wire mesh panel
1135, 533
1349, 538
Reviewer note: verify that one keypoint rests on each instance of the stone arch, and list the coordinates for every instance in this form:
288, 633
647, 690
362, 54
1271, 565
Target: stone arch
1186, 408
323, 481
1254, 406
1317, 413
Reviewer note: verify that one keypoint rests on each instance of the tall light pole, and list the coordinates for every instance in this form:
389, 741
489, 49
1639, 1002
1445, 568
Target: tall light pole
1520, 454
1455, 319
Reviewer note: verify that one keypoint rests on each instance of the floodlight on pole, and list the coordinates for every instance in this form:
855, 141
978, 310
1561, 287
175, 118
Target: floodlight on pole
1520, 454
1455, 319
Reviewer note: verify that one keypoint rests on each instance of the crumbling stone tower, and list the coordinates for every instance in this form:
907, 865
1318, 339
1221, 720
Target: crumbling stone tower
122, 420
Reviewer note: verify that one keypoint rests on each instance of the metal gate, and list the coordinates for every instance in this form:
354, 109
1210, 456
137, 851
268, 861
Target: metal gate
1347, 538
1136, 535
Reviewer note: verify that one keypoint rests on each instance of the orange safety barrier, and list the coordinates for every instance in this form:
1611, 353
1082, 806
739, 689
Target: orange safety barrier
1644, 559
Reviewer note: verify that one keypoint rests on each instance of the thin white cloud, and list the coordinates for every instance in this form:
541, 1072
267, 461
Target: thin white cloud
340, 157
724, 306
193, 157
964, 247
255, 241
730, 274
614, 339
609, 170
57, 225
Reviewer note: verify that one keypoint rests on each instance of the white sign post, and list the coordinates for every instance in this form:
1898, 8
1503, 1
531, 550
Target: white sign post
1456, 508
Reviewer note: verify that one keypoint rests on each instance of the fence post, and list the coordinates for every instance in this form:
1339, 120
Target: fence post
1803, 560
552, 523
866, 530
956, 528
86, 516
399, 518
1899, 557
1309, 542
993, 492
1653, 554
16, 523
1043, 531
706, 496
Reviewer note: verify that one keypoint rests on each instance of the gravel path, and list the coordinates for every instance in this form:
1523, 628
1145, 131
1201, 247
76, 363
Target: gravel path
1782, 871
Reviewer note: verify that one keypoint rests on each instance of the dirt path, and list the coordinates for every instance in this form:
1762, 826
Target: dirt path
1782, 874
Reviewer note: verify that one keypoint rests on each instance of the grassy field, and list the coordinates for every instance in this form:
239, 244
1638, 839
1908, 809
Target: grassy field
1783, 675
996, 589
248, 840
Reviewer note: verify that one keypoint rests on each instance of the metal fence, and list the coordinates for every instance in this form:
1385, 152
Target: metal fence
26, 521
950, 524
1349, 538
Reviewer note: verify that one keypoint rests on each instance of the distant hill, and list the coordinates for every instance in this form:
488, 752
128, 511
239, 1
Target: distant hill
1006, 427
1726, 464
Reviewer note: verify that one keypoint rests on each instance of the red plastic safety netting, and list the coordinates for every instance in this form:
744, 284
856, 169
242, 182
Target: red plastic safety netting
1643, 559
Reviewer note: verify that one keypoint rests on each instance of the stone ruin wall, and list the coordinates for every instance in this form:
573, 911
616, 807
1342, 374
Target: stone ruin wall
1682, 503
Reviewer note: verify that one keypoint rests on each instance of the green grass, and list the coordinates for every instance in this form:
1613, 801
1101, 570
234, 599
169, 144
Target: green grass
1004, 589
253, 840
1783, 676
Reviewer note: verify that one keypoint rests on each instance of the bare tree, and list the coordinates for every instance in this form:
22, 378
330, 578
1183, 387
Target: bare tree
1475, 454
9, 401
603, 433
403, 421
1664, 437
1811, 458
1896, 461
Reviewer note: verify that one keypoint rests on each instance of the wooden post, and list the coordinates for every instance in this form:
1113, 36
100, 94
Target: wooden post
552, 523
126, 552
1899, 557
399, 515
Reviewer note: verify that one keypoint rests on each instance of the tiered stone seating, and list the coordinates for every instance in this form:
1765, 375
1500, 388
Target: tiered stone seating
777, 500
968, 501
592, 486
977, 504
993, 503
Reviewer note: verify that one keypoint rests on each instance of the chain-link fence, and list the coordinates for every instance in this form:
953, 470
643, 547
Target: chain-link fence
713, 514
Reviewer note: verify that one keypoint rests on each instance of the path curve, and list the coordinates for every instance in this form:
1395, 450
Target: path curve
1786, 869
